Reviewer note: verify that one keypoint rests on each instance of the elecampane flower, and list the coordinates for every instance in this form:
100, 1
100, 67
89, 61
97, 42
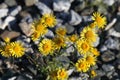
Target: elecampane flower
73, 38
61, 31
46, 47
95, 52
62, 74
17, 49
93, 73
90, 60
99, 19
82, 66
83, 46
49, 20
89, 35
5, 50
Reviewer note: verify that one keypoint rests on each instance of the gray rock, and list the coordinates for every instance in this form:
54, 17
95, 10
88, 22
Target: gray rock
12, 78
75, 18
108, 56
70, 49
103, 48
49, 34
112, 43
43, 8
3, 6
30, 2
69, 28
100, 73
26, 28
113, 32
97, 42
61, 5
75, 78
108, 67
109, 2
84, 76
70, 71
3, 12
16, 11
11, 2
9, 34
80, 6
7, 21
86, 18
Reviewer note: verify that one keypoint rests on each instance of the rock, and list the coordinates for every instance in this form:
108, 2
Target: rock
113, 32
117, 26
86, 18
100, 73
70, 71
9, 34
97, 42
70, 29
12, 78
3, 6
49, 34
34, 71
109, 2
84, 76
108, 67
6, 22
11, 2
75, 18
112, 43
3, 12
70, 49
75, 78
61, 5
43, 8
103, 48
30, 2
26, 28
15, 11
80, 6
108, 56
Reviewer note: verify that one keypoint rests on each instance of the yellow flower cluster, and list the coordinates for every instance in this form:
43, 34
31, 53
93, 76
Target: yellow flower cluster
12, 49
40, 27
60, 74
85, 43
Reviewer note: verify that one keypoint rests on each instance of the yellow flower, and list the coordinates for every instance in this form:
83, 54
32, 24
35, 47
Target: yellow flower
99, 19
83, 46
49, 20
17, 49
35, 36
46, 47
5, 51
93, 73
39, 30
61, 31
7, 40
95, 52
93, 25
82, 66
62, 74
59, 42
90, 60
73, 38
89, 35
53, 75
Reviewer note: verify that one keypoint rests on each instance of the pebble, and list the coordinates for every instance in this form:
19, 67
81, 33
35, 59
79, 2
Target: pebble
108, 67
61, 5
9, 34
50, 34
15, 11
26, 28
43, 8
30, 2
7, 21
3, 12
11, 2
3, 6
69, 28
108, 56
75, 18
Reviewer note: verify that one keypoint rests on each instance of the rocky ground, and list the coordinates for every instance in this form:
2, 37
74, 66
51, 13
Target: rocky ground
16, 17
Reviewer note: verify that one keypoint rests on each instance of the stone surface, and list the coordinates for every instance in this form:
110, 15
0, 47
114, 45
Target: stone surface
15, 11
30, 2
61, 5
26, 28
3, 6
108, 56
3, 12
7, 20
69, 28
9, 34
43, 8
75, 18
11, 2
107, 67
112, 43
49, 34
